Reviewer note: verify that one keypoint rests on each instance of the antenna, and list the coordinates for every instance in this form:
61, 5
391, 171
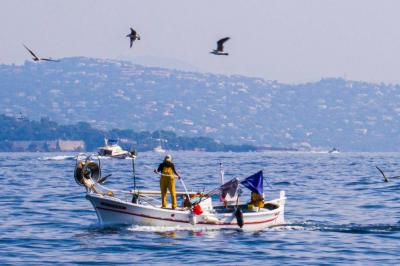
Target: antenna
221, 173
132, 154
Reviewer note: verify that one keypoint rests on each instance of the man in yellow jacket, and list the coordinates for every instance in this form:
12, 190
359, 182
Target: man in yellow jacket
167, 180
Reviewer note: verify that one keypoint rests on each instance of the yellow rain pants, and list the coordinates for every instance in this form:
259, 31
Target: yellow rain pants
167, 181
257, 200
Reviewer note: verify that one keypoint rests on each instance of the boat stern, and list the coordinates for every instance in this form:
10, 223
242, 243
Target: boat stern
281, 202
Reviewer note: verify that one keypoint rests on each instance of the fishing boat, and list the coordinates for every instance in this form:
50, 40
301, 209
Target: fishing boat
112, 149
198, 211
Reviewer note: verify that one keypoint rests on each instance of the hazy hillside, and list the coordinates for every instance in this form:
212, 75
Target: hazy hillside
232, 109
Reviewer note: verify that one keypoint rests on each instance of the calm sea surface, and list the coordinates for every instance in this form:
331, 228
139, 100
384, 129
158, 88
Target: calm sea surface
338, 211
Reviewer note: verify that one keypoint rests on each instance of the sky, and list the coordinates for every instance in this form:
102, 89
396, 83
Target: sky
290, 41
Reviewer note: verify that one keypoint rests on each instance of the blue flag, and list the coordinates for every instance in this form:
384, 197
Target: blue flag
255, 183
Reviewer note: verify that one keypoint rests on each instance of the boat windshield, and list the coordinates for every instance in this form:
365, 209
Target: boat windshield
112, 141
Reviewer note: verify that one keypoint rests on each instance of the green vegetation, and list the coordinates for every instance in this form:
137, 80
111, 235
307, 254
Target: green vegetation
19, 129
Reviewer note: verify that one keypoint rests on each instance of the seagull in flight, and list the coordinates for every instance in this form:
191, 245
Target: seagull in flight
133, 36
220, 47
383, 174
385, 178
36, 58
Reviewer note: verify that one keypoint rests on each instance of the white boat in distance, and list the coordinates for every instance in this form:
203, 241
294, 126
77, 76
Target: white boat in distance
159, 149
112, 149
334, 150
114, 207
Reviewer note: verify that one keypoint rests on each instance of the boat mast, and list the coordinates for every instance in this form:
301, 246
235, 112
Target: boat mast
221, 173
134, 174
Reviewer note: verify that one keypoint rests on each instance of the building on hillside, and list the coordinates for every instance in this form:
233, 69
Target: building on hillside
47, 145
34, 145
71, 145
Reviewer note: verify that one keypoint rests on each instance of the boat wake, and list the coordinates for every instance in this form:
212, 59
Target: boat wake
104, 157
295, 226
58, 158
162, 229
351, 228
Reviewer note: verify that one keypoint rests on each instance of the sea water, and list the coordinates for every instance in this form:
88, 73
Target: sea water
338, 211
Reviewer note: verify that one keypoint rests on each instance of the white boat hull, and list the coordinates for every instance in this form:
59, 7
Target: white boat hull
113, 211
116, 156
113, 151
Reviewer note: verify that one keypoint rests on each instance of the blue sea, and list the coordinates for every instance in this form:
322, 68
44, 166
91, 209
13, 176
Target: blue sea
338, 211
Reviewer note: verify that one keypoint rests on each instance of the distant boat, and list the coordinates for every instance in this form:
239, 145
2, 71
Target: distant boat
334, 150
159, 149
112, 149
21, 117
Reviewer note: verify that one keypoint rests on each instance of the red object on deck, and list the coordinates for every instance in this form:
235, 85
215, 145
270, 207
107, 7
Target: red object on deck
197, 209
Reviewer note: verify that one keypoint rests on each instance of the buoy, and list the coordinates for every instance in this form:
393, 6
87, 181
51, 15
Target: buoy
197, 209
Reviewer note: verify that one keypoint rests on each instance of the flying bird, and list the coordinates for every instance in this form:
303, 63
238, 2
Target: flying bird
220, 47
385, 178
133, 36
383, 174
36, 58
